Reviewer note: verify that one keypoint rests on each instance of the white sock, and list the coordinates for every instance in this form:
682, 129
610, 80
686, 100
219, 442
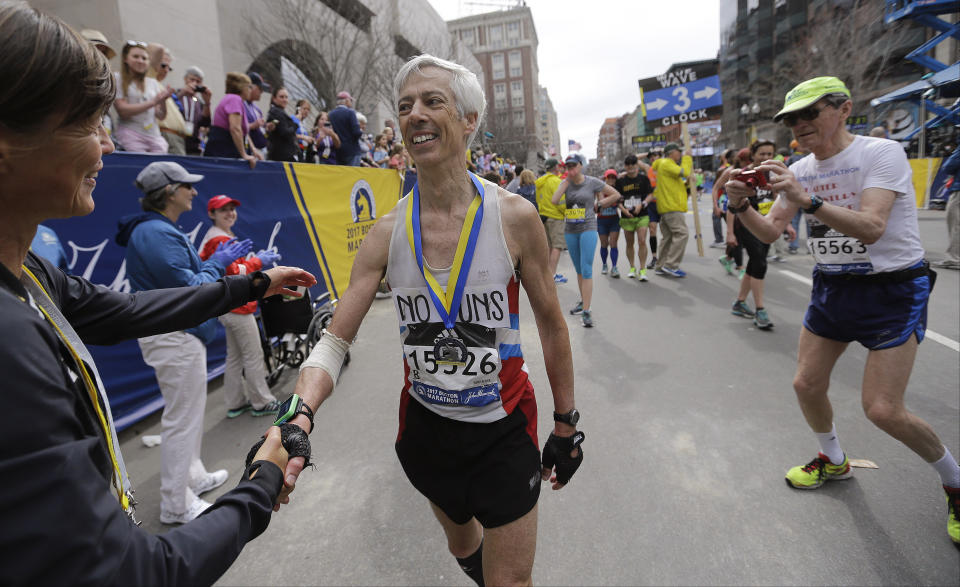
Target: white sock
948, 469
830, 446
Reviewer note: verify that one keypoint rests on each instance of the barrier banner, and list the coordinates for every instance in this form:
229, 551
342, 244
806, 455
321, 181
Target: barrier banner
315, 216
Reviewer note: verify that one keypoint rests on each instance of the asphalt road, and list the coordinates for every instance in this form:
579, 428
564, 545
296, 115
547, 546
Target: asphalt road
691, 423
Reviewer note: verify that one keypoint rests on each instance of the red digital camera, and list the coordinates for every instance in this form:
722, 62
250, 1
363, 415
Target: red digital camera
753, 178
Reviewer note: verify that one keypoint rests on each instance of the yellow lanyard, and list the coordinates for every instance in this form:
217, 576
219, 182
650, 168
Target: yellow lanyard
91, 390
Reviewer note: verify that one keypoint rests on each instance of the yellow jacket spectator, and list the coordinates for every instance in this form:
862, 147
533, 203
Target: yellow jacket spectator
671, 190
546, 186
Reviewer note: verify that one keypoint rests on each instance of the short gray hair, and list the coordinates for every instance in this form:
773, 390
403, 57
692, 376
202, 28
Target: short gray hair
194, 70
465, 86
156, 201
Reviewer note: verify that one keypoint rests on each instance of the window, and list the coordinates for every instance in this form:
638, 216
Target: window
499, 103
500, 90
466, 36
516, 98
497, 62
519, 118
516, 64
495, 36
513, 29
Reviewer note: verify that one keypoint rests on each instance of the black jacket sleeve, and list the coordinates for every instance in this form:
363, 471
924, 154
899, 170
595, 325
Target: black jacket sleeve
103, 316
60, 519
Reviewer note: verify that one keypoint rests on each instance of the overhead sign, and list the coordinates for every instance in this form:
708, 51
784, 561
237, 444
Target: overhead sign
649, 141
687, 92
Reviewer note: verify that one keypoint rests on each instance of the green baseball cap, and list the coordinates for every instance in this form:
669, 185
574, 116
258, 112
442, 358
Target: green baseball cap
670, 147
806, 93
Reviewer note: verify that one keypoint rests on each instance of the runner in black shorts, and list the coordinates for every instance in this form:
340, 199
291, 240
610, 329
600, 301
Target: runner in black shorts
467, 436
608, 229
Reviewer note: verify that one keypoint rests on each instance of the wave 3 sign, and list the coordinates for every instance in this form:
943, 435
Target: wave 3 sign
687, 92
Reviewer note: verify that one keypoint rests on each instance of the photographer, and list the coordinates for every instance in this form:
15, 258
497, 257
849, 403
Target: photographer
281, 129
194, 101
66, 507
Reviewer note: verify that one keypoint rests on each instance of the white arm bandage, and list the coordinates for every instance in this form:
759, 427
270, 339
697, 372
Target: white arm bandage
328, 355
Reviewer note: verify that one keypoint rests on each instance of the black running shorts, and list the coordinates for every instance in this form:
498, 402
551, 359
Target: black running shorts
490, 472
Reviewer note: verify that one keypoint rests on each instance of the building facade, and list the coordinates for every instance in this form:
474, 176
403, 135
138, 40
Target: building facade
609, 143
548, 127
505, 44
768, 46
315, 48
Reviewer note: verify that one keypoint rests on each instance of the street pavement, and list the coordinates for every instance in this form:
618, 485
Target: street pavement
690, 422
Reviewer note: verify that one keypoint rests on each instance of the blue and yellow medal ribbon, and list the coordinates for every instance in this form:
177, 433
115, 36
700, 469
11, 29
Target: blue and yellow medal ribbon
447, 301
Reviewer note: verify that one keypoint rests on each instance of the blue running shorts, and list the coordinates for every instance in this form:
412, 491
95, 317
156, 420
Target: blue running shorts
608, 224
653, 212
878, 315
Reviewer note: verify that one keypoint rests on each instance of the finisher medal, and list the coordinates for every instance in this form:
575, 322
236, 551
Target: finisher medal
449, 350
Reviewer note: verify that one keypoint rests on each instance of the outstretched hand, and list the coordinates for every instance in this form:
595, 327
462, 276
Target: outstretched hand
284, 279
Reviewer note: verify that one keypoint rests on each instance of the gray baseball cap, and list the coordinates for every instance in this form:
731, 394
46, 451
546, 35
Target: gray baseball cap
162, 173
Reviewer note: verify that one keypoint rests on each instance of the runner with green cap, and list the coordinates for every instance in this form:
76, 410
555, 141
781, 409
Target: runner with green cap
870, 284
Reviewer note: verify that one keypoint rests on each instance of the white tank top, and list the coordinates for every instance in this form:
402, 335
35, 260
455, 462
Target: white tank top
484, 374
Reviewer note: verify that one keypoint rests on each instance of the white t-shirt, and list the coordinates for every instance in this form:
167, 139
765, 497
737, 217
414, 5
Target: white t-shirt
867, 162
145, 122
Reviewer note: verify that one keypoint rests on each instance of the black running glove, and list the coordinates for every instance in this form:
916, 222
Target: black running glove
295, 441
557, 451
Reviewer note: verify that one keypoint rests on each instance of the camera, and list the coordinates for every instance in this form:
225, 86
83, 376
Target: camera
200, 89
753, 178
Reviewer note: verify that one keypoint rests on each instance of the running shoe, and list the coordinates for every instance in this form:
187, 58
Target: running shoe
778, 259
558, 278
761, 320
586, 319
614, 272
659, 271
652, 263
236, 412
675, 272
718, 245
953, 513
633, 272
643, 275
267, 410
727, 263
740, 308
741, 273
793, 250
578, 308
603, 269
817, 472
210, 482
193, 510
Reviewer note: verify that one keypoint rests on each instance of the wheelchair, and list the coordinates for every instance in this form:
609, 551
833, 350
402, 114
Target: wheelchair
290, 328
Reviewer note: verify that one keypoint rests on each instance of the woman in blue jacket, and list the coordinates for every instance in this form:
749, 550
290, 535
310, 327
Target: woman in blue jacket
159, 255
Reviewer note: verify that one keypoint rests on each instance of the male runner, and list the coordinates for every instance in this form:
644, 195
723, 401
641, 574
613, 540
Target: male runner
552, 214
455, 251
870, 283
634, 212
652, 208
608, 229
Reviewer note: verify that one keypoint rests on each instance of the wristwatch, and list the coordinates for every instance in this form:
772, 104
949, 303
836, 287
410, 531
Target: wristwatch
571, 417
815, 203
746, 204
292, 407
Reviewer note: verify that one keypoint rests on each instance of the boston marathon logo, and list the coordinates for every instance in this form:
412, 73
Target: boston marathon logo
362, 204
363, 209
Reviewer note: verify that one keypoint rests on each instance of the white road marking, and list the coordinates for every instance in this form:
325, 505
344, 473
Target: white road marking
934, 336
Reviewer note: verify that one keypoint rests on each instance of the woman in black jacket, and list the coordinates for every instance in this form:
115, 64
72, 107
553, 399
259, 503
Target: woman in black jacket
281, 129
65, 501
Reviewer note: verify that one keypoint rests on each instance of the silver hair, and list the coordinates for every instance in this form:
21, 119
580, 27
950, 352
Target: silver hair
193, 70
467, 92
361, 118
156, 201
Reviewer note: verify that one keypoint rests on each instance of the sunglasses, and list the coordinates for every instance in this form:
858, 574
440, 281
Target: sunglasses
166, 66
809, 113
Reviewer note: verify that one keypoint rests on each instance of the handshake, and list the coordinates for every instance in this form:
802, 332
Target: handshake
277, 446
